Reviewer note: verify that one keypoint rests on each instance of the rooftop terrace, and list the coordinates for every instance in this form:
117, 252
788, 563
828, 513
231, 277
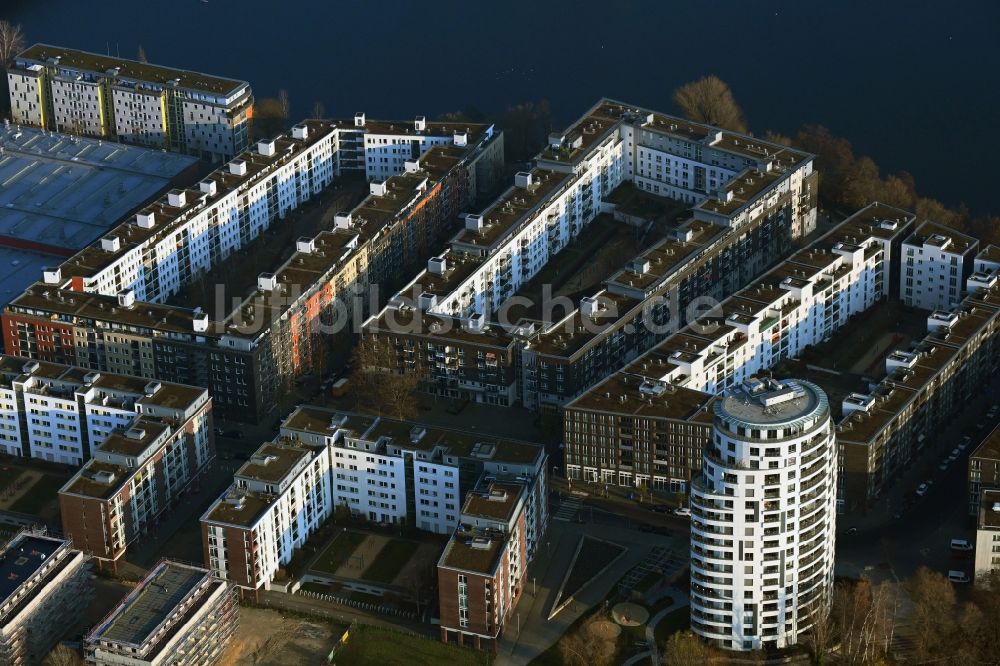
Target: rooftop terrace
506, 214
21, 559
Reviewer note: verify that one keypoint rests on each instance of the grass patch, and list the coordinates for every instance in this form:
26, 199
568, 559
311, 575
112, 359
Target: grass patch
593, 556
44, 490
338, 551
370, 646
390, 561
671, 623
8, 475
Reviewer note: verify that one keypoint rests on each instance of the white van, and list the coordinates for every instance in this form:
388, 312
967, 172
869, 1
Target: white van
961, 544
958, 576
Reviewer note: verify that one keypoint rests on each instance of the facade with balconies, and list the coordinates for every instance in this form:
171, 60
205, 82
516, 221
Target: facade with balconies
763, 517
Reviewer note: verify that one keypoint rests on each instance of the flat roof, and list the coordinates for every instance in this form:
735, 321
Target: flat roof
989, 518
660, 260
475, 551
85, 482
130, 69
152, 603
64, 191
496, 502
788, 400
513, 207
245, 511
282, 456
145, 431
937, 235
620, 394
458, 443
21, 559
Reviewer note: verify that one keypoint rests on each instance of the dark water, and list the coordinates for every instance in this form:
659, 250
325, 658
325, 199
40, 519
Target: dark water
915, 85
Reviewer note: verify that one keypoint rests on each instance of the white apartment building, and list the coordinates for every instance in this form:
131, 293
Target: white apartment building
801, 303
382, 470
936, 262
64, 414
278, 498
397, 472
508, 243
988, 534
119, 99
173, 241
763, 517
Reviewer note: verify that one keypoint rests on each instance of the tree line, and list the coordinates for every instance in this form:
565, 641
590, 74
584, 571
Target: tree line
847, 181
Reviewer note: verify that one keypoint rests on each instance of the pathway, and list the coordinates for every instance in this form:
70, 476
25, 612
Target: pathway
569, 506
529, 632
653, 653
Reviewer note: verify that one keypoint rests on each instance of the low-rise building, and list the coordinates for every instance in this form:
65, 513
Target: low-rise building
481, 573
937, 260
178, 614
44, 592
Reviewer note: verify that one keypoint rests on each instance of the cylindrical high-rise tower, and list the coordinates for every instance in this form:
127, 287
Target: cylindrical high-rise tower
763, 516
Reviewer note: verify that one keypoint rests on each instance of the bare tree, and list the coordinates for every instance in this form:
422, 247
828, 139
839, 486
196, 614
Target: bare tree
587, 646
63, 656
286, 107
933, 615
378, 384
268, 118
12, 42
864, 621
140, 54
319, 111
683, 648
709, 100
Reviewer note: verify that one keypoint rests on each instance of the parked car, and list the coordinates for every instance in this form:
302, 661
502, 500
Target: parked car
683, 512
956, 451
922, 489
964, 444
956, 576
980, 425
961, 544
944, 466
233, 434
661, 508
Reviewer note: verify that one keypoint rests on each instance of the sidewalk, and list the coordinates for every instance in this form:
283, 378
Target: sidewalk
529, 632
342, 614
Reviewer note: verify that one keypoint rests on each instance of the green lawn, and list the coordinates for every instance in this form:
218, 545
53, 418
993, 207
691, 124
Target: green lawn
673, 622
369, 646
338, 551
45, 490
390, 560
7, 476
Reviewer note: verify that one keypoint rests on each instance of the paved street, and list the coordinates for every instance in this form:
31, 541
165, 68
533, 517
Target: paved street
887, 546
